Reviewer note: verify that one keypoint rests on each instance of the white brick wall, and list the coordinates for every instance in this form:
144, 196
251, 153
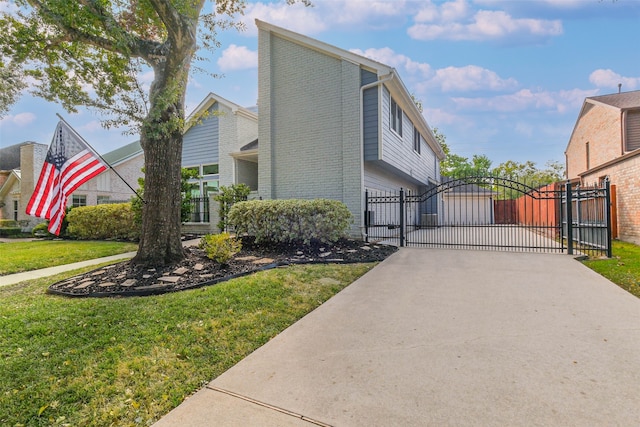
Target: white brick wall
309, 128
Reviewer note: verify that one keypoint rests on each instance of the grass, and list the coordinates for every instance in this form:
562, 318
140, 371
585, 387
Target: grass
129, 361
19, 256
623, 269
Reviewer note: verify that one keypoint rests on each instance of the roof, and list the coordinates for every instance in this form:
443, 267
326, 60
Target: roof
123, 153
253, 145
14, 176
10, 156
391, 76
622, 100
210, 100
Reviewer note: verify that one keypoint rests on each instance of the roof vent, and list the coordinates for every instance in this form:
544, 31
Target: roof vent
619, 87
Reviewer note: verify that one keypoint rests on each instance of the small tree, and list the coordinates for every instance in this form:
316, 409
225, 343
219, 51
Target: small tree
227, 197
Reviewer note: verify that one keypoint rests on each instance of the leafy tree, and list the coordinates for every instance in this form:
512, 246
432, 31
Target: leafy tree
454, 165
92, 52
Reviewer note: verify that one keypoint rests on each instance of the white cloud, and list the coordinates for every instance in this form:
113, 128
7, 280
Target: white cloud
19, 120
610, 79
437, 117
453, 21
526, 99
470, 77
296, 17
238, 58
389, 57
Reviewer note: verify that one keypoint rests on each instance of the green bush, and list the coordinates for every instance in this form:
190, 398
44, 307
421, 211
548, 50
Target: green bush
8, 223
112, 221
41, 230
284, 221
220, 247
227, 197
10, 231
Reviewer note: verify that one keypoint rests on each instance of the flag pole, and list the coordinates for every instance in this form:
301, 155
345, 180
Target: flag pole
101, 158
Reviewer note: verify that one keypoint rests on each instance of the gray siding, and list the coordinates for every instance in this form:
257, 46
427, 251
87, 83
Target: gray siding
370, 115
398, 152
200, 143
633, 130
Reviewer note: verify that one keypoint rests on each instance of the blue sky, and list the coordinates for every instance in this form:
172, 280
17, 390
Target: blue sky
502, 78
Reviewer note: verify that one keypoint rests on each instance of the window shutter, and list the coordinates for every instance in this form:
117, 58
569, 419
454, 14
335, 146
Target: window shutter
633, 130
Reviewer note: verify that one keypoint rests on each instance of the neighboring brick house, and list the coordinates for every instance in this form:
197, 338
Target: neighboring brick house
20, 166
333, 124
605, 142
17, 188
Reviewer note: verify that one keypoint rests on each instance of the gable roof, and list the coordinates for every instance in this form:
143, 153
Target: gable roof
14, 176
393, 82
209, 101
621, 101
123, 153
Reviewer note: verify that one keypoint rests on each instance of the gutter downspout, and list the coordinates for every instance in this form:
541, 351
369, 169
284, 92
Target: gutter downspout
386, 78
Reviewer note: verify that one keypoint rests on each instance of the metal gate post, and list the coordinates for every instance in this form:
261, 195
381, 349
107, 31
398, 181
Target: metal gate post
607, 213
567, 189
366, 215
402, 237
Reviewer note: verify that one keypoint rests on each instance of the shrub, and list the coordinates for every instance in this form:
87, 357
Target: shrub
227, 197
10, 231
220, 247
112, 221
285, 221
41, 230
8, 223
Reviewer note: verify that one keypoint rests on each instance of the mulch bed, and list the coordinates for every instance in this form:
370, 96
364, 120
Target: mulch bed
196, 270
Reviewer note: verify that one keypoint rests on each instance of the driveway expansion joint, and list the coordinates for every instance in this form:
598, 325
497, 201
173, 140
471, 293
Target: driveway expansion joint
268, 406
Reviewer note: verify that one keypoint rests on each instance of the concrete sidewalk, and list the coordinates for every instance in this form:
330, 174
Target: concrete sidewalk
51, 271
444, 337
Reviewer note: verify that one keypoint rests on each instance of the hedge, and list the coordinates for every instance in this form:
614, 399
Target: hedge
102, 222
285, 221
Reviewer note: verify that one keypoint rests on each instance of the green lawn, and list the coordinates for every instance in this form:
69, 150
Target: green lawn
19, 256
623, 269
129, 361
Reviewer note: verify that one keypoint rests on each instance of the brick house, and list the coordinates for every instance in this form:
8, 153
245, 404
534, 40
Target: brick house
333, 124
605, 142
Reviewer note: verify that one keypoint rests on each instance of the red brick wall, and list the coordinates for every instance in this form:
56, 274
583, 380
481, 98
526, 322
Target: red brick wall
626, 177
600, 127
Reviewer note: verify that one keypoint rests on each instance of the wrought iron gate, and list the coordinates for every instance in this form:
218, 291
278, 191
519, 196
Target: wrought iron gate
493, 213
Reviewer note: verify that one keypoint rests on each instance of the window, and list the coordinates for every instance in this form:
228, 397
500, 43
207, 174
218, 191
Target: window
632, 131
15, 210
78, 201
103, 199
209, 169
103, 181
396, 117
416, 140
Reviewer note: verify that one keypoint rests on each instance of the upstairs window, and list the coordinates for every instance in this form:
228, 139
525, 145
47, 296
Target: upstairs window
632, 134
78, 200
416, 140
396, 117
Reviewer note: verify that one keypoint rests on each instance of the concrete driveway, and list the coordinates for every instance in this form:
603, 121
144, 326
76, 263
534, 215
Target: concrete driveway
444, 337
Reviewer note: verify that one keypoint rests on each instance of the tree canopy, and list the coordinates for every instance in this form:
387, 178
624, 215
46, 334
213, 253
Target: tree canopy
480, 165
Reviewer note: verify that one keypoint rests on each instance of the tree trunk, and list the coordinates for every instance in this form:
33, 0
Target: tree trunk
160, 239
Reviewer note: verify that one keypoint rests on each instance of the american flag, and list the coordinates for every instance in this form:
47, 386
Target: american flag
70, 162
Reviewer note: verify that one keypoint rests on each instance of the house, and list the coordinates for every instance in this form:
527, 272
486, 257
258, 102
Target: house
20, 166
333, 124
605, 142
467, 204
215, 144
113, 185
